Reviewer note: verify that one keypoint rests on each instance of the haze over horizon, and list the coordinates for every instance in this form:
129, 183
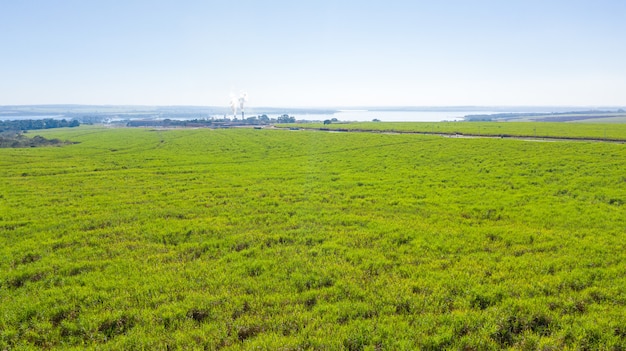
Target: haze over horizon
318, 54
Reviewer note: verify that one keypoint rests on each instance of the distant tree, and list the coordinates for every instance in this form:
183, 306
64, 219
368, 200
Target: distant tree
37, 124
375, 120
334, 120
264, 118
286, 119
50, 123
74, 123
327, 121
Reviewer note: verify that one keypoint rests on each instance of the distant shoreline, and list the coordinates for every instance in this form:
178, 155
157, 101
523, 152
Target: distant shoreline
108, 113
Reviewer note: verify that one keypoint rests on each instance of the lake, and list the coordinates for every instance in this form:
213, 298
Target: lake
392, 116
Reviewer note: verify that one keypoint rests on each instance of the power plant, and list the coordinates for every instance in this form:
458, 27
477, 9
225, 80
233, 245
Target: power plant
238, 103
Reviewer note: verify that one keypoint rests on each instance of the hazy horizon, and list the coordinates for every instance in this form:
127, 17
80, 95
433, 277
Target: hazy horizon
525, 108
353, 113
314, 55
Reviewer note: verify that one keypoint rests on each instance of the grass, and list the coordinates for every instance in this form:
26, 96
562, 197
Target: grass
601, 131
616, 119
268, 239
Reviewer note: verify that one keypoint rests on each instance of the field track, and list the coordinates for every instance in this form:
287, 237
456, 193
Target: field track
464, 135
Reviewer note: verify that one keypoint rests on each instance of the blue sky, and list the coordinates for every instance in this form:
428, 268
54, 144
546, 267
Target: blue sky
314, 53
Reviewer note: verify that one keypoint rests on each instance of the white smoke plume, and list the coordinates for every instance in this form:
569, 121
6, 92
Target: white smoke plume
243, 98
233, 105
238, 103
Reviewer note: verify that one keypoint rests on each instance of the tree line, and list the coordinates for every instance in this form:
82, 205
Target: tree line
33, 124
213, 123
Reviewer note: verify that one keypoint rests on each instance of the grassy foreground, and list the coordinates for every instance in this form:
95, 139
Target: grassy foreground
601, 131
272, 239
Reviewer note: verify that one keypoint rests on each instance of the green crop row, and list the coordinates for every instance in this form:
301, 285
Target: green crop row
272, 239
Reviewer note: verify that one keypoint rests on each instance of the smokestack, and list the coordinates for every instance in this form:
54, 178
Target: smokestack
233, 105
242, 101
238, 104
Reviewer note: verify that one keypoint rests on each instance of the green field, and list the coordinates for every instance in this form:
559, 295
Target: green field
605, 120
296, 240
602, 131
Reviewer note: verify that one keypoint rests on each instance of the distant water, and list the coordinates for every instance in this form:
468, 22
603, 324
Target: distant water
368, 116
342, 115
394, 116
